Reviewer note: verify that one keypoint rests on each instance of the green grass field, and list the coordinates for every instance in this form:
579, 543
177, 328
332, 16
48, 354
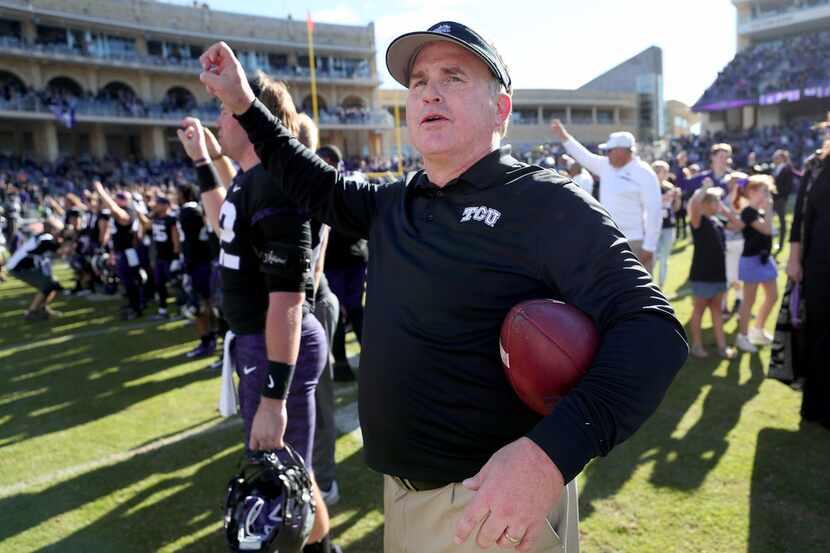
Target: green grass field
110, 440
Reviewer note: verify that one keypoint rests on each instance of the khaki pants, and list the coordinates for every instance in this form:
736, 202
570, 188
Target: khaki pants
424, 522
637, 248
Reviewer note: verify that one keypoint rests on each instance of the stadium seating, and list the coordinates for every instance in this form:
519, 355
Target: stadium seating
794, 63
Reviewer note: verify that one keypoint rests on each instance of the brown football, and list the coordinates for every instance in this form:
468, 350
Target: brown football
546, 348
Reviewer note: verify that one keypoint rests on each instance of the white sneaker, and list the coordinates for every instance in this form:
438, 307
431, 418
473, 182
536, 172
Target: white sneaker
759, 337
332, 495
743, 344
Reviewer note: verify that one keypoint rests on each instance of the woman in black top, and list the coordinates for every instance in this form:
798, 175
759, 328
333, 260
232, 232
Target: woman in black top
809, 264
757, 266
708, 274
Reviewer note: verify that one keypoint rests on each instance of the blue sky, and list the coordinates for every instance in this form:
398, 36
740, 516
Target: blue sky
550, 43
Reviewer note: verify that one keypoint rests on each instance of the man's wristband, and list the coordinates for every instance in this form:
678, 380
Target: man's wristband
279, 380
208, 178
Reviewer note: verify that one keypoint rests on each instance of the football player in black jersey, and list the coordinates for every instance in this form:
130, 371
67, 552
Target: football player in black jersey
124, 238
279, 348
167, 247
30, 263
194, 237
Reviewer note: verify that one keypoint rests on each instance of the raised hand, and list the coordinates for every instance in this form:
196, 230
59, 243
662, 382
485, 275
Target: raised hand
559, 131
224, 77
213, 147
192, 137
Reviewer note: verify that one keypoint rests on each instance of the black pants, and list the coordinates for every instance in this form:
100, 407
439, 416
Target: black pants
780, 209
816, 400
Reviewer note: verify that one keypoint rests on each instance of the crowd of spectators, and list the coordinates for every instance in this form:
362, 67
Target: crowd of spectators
31, 180
123, 102
120, 102
755, 146
750, 148
74, 174
792, 63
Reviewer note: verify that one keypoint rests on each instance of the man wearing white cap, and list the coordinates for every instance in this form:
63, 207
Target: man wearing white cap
629, 188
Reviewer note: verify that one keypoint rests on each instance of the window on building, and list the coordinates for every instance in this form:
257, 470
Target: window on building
350, 67
10, 28
154, 47
549, 114
120, 46
605, 116
524, 116
581, 116
278, 61
51, 35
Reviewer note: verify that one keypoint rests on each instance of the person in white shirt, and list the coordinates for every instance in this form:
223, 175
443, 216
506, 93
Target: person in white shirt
581, 177
629, 189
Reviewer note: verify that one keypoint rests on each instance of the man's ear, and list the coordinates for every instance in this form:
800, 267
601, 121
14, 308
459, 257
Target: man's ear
504, 106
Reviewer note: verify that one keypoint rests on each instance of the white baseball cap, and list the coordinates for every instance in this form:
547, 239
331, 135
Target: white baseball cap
620, 140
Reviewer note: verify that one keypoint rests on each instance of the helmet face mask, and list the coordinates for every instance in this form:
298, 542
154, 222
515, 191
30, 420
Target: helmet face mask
269, 505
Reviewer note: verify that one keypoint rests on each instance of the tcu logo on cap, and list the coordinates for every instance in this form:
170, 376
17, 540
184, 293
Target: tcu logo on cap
481, 213
442, 29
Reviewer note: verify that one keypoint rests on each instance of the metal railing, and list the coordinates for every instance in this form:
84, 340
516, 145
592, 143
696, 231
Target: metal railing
32, 103
192, 65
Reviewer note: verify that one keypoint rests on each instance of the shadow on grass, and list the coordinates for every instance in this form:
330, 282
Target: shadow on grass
679, 463
784, 517
361, 490
54, 388
81, 315
144, 504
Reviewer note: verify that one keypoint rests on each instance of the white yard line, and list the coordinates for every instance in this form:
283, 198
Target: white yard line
119, 457
26, 346
345, 420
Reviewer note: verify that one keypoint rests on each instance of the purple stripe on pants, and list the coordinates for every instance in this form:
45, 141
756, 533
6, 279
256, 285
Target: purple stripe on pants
250, 358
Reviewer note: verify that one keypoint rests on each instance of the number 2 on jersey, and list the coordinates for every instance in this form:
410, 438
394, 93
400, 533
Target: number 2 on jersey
227, 218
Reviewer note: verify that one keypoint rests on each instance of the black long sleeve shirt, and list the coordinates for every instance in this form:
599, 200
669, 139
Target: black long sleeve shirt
446, 266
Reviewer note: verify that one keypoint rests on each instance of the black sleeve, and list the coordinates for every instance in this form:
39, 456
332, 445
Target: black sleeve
307, 179
749, 215
282, 240
787, 182
643, 345
191, 225
191, 222
801, 197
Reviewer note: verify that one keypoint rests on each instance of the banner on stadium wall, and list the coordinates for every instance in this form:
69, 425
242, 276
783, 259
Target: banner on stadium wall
778, 97
723, 105
768, 99
817, 92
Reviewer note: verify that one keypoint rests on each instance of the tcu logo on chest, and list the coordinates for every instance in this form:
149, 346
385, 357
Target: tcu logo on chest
482, 214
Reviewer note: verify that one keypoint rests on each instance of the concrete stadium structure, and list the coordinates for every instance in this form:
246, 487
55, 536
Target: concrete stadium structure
96, 77
127, 71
